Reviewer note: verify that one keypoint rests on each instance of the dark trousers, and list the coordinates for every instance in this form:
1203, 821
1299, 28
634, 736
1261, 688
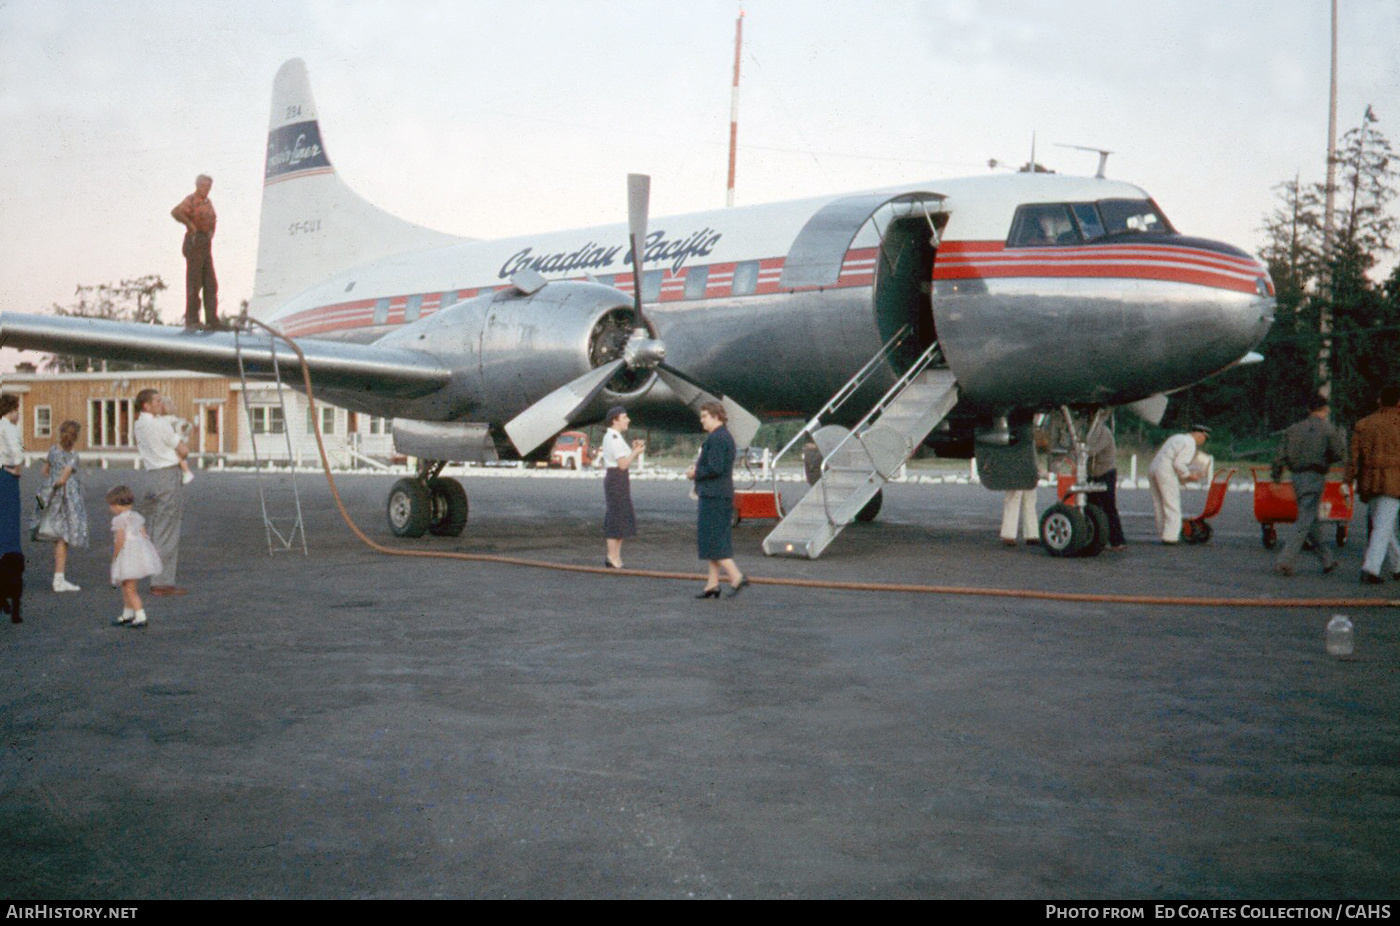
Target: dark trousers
199, 278
1108, 501
1307, 488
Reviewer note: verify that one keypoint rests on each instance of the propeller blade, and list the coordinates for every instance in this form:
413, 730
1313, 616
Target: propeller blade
638, 203
742, 423
556, 411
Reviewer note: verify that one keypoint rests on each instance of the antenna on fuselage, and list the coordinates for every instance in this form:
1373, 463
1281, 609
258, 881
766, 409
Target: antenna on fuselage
1103, 156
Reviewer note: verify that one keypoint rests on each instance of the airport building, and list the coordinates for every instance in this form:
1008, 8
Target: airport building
225, 426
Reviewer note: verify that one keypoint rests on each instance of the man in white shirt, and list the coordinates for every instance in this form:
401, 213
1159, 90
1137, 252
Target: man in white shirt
163, 505
1170, 468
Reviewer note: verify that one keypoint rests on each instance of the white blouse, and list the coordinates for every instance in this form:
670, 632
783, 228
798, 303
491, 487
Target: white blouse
615, 447
11, 445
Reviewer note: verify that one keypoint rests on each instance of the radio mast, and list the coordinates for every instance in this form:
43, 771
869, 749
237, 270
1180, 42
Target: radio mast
734, 109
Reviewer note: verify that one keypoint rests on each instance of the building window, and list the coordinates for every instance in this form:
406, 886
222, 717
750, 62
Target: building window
109, 422
327, 420
43, 421
381, 425
745, 278
268, 419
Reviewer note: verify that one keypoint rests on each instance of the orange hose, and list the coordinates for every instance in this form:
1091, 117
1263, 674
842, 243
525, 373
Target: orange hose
904, 587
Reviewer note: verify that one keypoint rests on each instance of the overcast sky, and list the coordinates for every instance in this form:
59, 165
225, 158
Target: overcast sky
489, 119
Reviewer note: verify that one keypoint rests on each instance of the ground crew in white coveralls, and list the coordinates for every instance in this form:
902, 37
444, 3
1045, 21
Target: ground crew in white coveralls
1170, 468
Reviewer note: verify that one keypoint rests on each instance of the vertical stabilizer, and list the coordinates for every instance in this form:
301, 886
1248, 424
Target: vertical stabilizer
313, 225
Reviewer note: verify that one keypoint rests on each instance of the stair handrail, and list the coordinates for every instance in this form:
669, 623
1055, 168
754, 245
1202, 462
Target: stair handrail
839, 398
918, 366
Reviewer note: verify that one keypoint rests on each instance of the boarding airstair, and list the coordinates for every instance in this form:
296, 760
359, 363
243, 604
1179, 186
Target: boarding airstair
857, 462
276, 491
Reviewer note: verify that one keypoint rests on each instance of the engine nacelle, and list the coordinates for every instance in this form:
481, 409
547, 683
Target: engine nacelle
511, 348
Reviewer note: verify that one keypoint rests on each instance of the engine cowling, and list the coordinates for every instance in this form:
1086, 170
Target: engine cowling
510, 348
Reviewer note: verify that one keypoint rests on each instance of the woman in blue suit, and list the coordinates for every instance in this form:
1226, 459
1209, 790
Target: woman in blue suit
714, 485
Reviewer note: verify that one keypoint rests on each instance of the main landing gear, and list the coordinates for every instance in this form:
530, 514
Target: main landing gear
427, 503
1073, 526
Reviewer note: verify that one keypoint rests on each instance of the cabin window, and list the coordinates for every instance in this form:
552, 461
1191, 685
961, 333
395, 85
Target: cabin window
413, 309
43, 421
696, 279
1042, 225
448, 298
267, 419
381, 311
651, 285
745, 278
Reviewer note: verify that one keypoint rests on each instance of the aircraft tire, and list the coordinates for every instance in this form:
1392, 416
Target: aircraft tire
1064, 531
448, 507
409, 508
872, 508
1098, 525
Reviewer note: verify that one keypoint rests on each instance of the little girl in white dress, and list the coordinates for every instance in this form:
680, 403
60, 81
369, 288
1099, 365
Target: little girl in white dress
133, 555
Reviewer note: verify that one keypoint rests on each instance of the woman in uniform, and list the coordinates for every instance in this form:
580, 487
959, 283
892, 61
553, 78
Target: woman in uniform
713, 473
619, 521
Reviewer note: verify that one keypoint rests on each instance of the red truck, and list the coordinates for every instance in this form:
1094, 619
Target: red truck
570, 451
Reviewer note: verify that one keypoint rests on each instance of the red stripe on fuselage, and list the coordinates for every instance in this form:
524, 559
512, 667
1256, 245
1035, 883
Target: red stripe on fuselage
956, 260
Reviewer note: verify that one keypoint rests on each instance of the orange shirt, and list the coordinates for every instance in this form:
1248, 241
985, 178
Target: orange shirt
198, 210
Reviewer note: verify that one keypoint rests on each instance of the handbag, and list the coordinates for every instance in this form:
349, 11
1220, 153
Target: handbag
49, 527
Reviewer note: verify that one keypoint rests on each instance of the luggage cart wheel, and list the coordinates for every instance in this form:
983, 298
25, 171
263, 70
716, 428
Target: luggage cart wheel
1270, 535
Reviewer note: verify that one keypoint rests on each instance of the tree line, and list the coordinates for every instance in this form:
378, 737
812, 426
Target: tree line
1335, 328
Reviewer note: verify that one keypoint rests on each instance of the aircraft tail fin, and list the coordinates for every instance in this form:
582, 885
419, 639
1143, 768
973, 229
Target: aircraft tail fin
313, 224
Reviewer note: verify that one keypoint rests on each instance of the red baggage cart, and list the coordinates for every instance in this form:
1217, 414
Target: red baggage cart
1275, 503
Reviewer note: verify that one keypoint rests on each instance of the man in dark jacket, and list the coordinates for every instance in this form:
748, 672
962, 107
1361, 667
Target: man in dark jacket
1308, 449
1375, 471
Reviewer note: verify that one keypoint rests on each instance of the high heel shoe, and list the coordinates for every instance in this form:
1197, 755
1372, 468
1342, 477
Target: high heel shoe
610, 565
709, 593
736, 589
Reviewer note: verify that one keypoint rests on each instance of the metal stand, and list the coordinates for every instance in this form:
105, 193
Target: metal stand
278, 539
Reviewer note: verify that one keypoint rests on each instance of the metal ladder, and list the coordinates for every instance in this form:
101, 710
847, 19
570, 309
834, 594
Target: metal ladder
857, 463
284, 538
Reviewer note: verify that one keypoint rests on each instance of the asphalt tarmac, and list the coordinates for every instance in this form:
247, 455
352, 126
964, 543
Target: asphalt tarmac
350, 724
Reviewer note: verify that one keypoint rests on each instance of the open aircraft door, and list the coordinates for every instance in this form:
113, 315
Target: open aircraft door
906, 229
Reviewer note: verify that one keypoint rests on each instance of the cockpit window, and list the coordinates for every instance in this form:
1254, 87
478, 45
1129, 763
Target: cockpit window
1042, 224
1132, 216
1089, 222
1048, 224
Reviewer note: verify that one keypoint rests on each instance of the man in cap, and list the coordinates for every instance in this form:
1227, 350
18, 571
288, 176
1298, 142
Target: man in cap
1308, 449
1170, 468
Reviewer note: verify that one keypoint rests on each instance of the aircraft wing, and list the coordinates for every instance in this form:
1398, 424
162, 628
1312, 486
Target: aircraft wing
389, 371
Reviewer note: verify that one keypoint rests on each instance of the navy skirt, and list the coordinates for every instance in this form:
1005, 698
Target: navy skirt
9, 513
619, 521
714, 528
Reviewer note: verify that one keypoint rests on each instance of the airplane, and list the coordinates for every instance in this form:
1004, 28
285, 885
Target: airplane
952, 310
